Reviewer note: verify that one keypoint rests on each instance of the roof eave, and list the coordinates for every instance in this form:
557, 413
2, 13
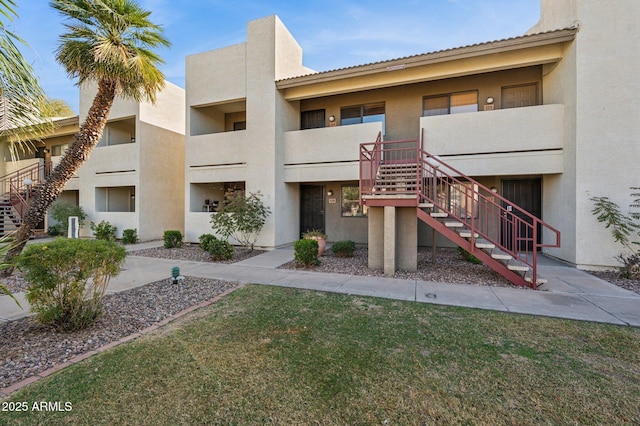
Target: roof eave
476, 50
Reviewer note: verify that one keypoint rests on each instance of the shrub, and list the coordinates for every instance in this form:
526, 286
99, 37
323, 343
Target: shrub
61, 211
468, 256
206, 240
103, 231
343, 248
218, 249
129, 236
54, 230
221, 250
172, 239
306, 252
68, 279
624, 230
241, 218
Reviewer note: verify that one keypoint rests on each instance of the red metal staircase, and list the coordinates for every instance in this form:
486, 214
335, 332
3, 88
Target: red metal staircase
15, 193
501, 234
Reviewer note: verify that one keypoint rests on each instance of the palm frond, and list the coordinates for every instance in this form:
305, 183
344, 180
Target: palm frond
112, 40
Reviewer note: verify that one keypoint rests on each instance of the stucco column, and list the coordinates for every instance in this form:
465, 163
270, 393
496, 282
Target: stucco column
376, 237
407, 238
389, 240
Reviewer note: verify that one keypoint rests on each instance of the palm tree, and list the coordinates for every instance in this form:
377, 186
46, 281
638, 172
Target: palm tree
22, 100
108, 43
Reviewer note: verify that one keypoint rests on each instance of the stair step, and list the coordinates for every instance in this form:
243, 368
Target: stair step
519, 267
425, 205
539, 281
484, 244
453, 224
439, 214
500, 255
465, 233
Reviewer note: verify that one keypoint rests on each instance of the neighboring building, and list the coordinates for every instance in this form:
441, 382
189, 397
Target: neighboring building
133, 178
547, 119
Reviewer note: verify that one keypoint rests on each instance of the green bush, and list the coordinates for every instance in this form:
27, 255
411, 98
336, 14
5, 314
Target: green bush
218, 249
206, 240
54, 231
468, 256
103, 231
68, 279
306, 252
343, 248
61, 211
172, 239
129, 236
221, 250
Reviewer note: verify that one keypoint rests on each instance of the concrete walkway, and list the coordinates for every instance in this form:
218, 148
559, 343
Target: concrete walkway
569, 293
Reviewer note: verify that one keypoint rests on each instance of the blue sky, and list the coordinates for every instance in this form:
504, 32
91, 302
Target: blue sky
332, 33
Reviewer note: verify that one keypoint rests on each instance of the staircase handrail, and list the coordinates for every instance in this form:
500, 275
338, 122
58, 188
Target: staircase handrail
483, 212
370, 159
435, 158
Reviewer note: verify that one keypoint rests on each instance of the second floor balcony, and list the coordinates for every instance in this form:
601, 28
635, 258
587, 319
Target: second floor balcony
528, 140
326, 154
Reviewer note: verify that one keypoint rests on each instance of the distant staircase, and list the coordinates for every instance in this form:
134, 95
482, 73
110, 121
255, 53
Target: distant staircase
502, 235
15, 194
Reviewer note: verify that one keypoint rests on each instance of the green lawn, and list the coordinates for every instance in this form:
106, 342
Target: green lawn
266, 355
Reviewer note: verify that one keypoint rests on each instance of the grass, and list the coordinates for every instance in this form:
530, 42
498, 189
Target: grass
266, 355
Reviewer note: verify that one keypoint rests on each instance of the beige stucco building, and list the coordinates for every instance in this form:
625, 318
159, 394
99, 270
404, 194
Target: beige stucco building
532, 117
546, 120
133, 178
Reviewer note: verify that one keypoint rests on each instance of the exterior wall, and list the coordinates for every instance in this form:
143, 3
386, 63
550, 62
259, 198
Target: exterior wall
592, 82
153, 165
236, 78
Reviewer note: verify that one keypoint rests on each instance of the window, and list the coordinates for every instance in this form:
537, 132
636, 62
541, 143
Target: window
351, 202
57, 150
369, 113
116, 199
239, 125
312, 119
454, 103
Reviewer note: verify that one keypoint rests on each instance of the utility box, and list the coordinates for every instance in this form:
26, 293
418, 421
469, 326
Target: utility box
74, 227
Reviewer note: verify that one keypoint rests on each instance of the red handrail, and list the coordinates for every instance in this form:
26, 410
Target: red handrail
483, 212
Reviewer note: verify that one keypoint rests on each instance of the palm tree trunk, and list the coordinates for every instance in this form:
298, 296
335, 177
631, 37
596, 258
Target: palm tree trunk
81, 147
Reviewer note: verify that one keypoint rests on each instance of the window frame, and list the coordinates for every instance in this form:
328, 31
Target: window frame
449, 96
361, 117
360, 212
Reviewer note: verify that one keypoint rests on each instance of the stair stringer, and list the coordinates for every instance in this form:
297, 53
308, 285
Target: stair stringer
485, 257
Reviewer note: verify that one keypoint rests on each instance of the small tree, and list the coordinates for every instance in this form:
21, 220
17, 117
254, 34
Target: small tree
62, 211
241, 218
623, 227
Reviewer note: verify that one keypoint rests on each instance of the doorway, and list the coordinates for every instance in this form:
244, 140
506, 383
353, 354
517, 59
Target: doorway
311, 208
527, 194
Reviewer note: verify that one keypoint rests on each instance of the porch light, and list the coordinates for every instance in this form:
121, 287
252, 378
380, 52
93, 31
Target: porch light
332, 118
330, 193
490, 100
494, 189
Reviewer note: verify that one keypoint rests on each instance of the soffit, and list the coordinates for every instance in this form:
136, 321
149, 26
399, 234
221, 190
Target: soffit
517, 52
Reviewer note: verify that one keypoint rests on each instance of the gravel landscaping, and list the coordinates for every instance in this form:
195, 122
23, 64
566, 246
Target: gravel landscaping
28, 348
193, 252
449, 268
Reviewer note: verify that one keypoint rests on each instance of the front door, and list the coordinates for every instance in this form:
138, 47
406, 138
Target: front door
527, 194
311, 208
